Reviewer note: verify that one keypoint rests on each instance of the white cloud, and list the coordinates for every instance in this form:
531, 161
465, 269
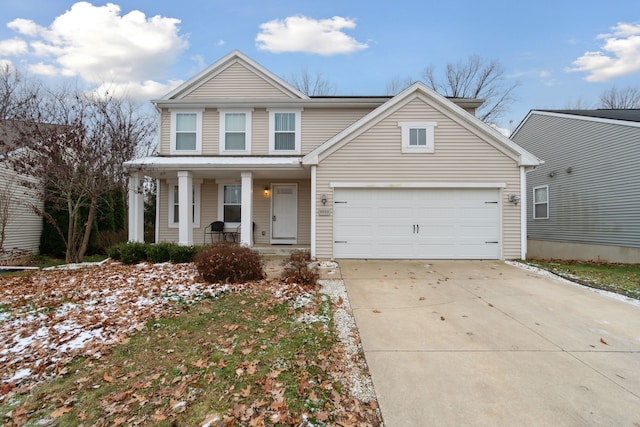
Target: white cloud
100, 45
25, 27
618, 57
43, 69
13, 47
303, 34
147, 89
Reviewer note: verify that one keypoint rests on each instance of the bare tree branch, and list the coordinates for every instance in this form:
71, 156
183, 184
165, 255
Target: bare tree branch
312, 85
475, 78
620, 99
78, 143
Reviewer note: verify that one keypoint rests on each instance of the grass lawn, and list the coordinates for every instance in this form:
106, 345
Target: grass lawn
623, 279
262, 354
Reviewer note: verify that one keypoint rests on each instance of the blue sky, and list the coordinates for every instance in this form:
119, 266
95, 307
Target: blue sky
562, 52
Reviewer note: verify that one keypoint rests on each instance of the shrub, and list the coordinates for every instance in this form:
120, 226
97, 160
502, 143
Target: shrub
179, 254
109, 239
299, 268
114, 251
229, 262
159, 252
133, 252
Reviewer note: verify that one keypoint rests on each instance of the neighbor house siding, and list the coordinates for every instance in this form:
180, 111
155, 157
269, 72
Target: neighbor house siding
236, 82
591, 169
460, 156
23, 228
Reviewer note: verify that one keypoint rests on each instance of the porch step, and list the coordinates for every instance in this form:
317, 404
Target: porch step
279, 249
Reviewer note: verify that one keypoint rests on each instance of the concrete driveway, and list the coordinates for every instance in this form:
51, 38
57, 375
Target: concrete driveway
452, 343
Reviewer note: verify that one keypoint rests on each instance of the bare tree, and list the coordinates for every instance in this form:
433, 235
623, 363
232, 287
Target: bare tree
79, 144
475, 78
18, 97
398, 84
620, 99
312, 85
7, 200
578, 104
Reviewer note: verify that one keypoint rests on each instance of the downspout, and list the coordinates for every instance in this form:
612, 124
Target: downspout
523, 212
313, 211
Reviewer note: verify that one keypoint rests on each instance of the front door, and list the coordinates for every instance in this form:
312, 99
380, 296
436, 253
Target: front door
284, 213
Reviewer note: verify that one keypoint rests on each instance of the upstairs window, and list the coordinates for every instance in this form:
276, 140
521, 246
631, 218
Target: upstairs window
235, 131
186, 132
417, 137
541, 202
284, 131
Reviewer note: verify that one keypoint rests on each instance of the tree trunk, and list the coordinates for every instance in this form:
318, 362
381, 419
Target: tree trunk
87, 228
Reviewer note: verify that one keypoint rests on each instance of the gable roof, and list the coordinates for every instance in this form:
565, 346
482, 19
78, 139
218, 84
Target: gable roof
632, 115
224, 63
628, 117
443, 105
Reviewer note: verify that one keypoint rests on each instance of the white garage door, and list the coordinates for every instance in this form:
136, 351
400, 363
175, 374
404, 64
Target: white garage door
416, 223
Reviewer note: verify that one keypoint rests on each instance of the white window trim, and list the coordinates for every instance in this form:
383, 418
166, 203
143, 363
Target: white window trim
272, 130
428, 126
197, 184
221, 185
534, 202
248, 122
198, 149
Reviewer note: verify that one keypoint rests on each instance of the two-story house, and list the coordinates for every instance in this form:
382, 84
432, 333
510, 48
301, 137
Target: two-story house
415, 175
584, 202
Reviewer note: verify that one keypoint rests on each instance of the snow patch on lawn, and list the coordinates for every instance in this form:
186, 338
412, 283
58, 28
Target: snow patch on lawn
55, 315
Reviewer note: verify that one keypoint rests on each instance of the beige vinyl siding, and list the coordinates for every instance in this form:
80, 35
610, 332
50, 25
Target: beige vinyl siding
260, 132
210, 132
24, 227
236, 82
165, 132
320, 124
261, 211
460, 156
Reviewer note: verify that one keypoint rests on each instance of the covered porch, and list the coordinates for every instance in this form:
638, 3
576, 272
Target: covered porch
263, 201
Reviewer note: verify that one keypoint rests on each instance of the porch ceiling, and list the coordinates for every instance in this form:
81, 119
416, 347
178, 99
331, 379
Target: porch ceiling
221, 167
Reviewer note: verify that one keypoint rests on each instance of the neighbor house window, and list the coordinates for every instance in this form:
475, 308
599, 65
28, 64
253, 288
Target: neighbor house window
235, 131
417, 137
230, 202
284, 131
174, 205
186, 132
541, 202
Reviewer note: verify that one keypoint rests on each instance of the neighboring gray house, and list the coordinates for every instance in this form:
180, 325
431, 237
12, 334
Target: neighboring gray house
584, 201
410, 176
20, 227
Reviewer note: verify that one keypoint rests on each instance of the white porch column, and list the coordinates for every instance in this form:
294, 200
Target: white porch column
246, 224
136, 208
313, 210
185, 208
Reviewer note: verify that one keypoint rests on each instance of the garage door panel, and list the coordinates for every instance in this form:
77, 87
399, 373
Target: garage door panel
417, 223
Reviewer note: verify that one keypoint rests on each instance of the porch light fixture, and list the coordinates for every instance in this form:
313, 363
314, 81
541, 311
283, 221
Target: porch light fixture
323, 199
266, 191
514, 198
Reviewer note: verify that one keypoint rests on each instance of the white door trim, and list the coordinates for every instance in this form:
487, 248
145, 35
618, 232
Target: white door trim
291, 222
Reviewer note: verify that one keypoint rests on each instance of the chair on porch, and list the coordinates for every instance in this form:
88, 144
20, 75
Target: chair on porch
216, 228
